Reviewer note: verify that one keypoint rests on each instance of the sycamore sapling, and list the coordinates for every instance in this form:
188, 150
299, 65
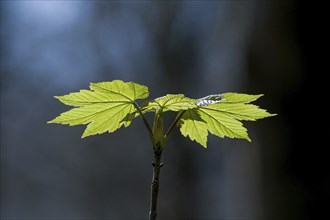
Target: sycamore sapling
107, 106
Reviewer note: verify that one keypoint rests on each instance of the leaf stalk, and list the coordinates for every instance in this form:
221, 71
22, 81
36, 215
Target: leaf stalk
173, 125
145, 122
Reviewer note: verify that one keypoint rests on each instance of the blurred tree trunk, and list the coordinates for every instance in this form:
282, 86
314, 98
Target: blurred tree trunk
277, 73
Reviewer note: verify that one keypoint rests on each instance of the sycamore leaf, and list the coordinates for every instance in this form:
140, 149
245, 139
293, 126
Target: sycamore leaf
172, 102
192, 125
231, 97
129, 90
87, 97
239, 111
222, 124
221, 116
105, 109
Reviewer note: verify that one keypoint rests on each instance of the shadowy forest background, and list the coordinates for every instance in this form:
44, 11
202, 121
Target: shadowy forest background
193, 47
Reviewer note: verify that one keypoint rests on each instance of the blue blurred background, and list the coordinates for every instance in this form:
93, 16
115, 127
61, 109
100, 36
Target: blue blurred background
193, 47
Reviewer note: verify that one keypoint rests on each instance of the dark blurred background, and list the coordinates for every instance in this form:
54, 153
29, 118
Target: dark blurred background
193, 47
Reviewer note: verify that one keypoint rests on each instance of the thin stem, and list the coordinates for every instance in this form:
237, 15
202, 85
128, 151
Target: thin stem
175, 122
144, 120
155, 184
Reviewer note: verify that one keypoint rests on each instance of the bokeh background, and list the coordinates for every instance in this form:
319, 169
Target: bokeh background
193, 47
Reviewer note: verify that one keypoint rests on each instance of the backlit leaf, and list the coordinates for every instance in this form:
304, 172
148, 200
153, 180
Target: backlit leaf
172, 102
105, 108
221, 115
194, 127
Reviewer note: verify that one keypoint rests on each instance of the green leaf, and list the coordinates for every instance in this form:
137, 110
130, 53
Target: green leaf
129, 90
239, 111
172, 102
87, 97
231, 97
192, 125
222, 124
221, 115
105, 109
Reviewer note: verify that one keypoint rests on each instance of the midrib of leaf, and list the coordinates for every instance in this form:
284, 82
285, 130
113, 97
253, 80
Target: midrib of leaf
110, 91
166, 101
116, 118
162, 106
134, 90
199, 135
95, 113
234, 114
216, 128
104, 102
223, 111
227, 128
